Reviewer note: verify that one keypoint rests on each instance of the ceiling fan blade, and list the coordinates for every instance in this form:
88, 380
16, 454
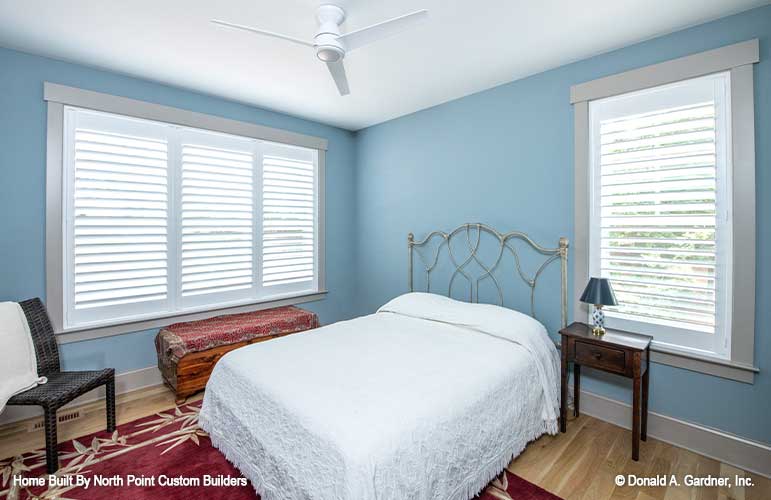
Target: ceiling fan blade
337, 70
261, 32
355, 39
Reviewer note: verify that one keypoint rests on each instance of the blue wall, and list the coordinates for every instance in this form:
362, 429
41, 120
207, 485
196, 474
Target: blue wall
505, 157
22, 191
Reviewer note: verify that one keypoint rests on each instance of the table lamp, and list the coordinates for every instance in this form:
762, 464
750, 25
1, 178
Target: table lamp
599, 293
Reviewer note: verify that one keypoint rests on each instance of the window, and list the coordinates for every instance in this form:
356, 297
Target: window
162, 219
660, 223
665, 205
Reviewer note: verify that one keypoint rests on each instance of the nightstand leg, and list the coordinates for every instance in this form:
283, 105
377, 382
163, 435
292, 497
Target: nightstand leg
644, 429
636, 409
564, 386
576, 388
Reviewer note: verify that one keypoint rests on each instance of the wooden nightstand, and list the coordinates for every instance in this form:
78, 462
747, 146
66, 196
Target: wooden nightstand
622, 353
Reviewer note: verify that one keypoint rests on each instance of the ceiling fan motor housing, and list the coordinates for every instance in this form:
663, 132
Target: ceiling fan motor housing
328, 46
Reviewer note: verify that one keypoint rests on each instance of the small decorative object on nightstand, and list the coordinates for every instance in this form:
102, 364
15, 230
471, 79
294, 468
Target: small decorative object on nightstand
599, 293
618, 352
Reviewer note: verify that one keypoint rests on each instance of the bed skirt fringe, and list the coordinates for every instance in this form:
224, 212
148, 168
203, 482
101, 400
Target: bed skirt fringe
494, 469
265, 491
473, 486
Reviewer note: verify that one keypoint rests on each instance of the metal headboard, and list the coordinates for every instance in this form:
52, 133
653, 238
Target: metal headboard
504, 243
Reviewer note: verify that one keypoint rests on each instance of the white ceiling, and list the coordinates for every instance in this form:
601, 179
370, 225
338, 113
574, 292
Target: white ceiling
463, 48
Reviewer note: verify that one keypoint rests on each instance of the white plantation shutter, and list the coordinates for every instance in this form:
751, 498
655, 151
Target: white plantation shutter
289, 206
660, 205
117, 235
217, 243
160, 220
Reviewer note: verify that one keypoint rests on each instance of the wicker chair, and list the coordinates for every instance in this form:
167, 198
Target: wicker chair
62, 387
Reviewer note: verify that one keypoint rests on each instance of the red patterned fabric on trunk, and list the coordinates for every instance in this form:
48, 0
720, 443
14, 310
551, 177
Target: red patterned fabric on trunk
180, 339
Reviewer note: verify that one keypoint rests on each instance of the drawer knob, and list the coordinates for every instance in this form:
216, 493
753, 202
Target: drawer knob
597, 355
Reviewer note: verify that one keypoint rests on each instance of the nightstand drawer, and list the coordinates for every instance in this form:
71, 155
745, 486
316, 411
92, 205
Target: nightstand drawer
601, 357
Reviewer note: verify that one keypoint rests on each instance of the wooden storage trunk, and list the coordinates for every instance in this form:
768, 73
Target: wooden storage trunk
187, 352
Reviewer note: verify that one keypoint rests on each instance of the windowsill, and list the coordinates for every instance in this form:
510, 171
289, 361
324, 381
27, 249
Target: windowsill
89, 333
718, 367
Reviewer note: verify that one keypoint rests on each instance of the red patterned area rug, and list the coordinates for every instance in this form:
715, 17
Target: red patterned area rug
162, 456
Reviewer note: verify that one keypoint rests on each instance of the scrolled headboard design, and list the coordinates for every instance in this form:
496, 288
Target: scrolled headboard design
472, 234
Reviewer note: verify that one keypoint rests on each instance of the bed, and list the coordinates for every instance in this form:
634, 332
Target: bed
428, 398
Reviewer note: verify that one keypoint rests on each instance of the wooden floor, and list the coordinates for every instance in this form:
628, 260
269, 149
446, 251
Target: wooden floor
581, 464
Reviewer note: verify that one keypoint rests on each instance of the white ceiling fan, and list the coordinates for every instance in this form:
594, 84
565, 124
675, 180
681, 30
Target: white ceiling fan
331, 45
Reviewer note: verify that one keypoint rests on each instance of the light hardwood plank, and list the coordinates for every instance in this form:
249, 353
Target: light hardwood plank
540, 455
16, 439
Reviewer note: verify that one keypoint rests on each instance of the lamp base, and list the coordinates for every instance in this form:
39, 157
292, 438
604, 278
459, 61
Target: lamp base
598, 320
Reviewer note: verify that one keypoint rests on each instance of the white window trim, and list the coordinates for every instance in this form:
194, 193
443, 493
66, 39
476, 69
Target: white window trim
738, 59
58, 96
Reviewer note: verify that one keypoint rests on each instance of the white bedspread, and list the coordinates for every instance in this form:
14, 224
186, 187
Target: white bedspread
427, 399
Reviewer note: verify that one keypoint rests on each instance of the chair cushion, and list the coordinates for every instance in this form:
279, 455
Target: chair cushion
63, 387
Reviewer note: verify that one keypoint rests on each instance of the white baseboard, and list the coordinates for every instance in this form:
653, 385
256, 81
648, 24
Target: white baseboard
124, 382
727, 448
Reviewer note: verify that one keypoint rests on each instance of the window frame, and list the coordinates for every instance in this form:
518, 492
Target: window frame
738, 60
58, 97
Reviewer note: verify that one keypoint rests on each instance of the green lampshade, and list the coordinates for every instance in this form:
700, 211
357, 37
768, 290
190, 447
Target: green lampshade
598, 291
